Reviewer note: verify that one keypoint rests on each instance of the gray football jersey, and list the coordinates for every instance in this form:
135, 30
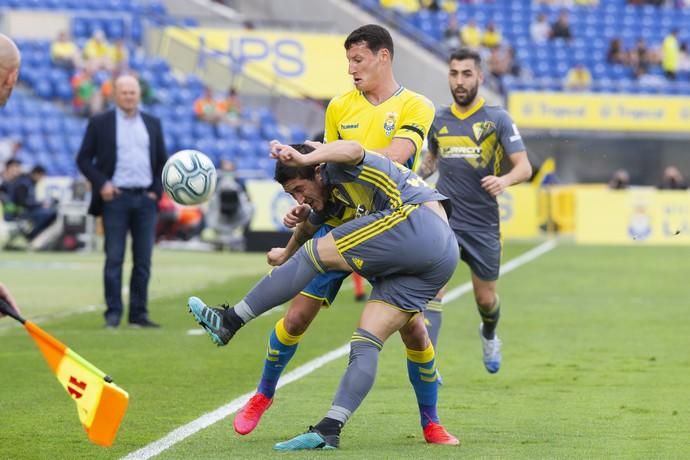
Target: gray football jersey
375, 184
467, 148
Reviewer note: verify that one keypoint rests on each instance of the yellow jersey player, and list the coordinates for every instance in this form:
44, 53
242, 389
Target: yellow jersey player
383, 117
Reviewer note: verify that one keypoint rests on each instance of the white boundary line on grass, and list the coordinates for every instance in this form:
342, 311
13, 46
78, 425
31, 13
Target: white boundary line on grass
210, 418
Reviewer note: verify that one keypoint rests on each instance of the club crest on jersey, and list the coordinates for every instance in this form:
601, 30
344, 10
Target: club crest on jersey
482, 128
389, 124
361, 211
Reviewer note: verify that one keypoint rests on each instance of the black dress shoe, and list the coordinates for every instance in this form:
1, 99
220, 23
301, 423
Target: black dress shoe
144, 323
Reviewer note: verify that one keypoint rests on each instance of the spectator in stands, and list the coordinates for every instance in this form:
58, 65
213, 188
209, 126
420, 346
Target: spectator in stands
34, 215
122, 155
578, 79
616, 54
206, 107
620, 179
451, 36
561, 28
64, 52
683, 58
540, 30
672, 179
107, 88
97, 52
230, 108
471, 34
640, 58
670, 52
87, 100
491, 38
497, 66
403, 6
119, 55
148, 95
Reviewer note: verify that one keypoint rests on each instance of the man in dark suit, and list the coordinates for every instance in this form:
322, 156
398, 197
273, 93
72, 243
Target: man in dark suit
122, 155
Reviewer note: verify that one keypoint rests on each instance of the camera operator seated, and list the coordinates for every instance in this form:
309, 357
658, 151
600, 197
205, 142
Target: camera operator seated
33, 216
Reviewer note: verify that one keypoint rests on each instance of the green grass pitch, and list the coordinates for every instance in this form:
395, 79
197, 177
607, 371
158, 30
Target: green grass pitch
596, 362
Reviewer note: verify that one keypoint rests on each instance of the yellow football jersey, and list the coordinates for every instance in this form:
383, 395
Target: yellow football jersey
405, 114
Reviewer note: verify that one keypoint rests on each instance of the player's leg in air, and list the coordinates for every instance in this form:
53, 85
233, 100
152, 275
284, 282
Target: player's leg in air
283, 342
285, 281
394, 305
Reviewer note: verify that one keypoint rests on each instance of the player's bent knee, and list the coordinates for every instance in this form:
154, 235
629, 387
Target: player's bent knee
486, 300
300, 315
414, 334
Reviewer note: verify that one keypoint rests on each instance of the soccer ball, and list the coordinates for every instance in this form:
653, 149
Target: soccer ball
189, 177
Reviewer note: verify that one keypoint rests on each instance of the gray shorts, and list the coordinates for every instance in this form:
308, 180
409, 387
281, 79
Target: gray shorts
407, 254
482, 252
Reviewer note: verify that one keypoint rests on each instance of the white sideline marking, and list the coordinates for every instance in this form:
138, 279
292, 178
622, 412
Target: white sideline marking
210, 418
233, 406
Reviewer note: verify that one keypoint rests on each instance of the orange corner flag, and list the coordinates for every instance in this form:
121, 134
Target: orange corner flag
100, 403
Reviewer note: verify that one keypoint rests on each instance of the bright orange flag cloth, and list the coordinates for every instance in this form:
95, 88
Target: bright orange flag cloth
100, 403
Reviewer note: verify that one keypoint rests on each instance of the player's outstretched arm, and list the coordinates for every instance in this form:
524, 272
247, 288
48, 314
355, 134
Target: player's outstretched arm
347, 152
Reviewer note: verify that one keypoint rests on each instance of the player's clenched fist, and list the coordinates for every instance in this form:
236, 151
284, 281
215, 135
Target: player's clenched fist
296, 215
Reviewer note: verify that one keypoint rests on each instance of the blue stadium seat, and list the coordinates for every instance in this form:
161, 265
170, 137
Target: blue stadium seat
227, 133
202, 130
249, 131
74, 143
298, 134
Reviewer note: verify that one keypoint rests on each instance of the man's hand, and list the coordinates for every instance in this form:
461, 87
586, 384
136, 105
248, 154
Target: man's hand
108, 191
296, 215
287, 155
7, 297
276, 256
493, 185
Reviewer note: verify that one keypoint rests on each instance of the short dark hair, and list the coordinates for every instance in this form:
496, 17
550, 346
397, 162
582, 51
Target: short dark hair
375, 36
38, 169
465, 53
284, 173
12, 162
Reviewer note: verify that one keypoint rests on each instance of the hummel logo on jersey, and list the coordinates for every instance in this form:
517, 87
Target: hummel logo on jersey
443, 130
349, 125
358, 262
